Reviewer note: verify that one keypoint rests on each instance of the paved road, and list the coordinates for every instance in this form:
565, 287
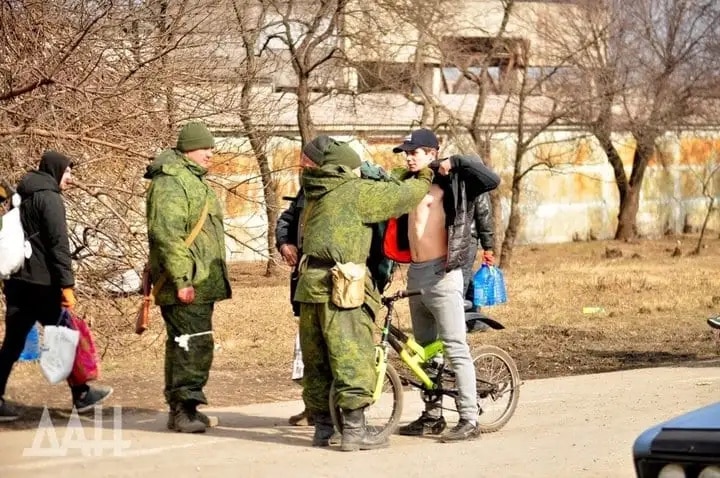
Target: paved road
564, 427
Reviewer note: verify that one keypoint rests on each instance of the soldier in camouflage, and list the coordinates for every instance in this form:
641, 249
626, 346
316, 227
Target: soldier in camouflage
287, 239
195, 276
337, 343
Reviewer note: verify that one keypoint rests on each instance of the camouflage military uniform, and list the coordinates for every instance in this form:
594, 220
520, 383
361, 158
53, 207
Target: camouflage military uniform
338, 343
175, 201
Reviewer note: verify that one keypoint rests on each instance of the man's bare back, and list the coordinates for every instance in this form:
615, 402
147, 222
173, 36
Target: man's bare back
426, 227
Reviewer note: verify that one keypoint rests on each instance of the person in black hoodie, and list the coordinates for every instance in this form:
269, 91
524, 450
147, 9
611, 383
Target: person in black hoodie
44, 285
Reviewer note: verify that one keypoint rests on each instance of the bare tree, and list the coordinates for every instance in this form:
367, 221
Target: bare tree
309, 32
470, 82
251, 18
106, 83
644, 65
707, 181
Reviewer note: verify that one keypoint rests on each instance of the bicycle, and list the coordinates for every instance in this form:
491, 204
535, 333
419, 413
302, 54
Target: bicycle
431, 377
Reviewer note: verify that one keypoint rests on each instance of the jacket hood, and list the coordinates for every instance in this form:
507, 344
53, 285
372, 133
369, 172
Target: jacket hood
171, 161
316, 182
54, 164
35, 181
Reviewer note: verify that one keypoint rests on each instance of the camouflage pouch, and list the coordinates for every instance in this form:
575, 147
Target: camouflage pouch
348, 285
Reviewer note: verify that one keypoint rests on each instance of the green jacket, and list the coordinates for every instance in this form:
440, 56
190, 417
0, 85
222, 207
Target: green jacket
175, 200
339, 212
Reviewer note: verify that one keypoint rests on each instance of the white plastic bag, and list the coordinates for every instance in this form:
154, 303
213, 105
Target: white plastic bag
298, 365
14, 249
57, 353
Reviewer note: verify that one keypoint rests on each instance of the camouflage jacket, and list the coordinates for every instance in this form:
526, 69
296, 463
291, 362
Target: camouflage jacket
175, 200
339, 212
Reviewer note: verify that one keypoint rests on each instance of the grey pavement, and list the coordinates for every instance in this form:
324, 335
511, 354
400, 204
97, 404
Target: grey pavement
580, 426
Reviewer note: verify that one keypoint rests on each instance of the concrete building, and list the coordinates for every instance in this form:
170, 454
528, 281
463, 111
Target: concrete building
397, 76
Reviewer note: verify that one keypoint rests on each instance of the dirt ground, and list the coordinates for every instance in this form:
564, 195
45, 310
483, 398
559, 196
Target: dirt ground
654, 304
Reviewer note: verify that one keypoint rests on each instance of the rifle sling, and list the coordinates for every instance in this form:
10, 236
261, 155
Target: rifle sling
188, 241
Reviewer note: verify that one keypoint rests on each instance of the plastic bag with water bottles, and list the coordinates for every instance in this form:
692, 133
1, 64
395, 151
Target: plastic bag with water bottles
31, 351
489, 287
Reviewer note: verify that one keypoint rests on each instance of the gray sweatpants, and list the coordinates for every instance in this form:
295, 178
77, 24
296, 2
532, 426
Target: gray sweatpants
439, 313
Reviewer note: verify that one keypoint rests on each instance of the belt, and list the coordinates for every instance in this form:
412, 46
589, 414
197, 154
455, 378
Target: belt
311, 261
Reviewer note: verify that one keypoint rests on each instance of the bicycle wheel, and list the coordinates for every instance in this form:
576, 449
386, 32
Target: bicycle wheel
383, 416
498, 387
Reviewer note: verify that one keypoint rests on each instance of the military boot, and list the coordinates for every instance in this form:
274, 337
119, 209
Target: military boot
355, 435
183, 419
302, 419
209, 421
324, 429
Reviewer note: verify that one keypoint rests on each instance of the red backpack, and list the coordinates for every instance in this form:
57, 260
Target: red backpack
396, 245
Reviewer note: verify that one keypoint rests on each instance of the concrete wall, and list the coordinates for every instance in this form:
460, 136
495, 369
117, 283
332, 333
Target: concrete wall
574, 199
378, 35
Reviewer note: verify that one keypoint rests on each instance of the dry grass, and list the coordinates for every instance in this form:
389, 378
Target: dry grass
654, 310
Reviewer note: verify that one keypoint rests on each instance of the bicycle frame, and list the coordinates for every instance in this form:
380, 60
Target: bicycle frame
410, 352
416, 358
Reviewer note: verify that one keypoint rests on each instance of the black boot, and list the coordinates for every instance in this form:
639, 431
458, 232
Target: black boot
209, 421
355, 434
182, 419
324, 429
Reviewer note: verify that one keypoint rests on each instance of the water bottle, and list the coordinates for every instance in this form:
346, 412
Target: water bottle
489, 287
31, 351
483, 290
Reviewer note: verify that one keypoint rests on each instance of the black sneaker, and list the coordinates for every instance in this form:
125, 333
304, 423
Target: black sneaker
92, 397
714, 322
425, 425
7, 413
464, 430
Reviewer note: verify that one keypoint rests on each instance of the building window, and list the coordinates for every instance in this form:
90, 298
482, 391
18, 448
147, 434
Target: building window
377, 77
471, 61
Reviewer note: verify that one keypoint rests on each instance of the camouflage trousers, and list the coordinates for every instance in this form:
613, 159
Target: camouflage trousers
187, 371
337, 344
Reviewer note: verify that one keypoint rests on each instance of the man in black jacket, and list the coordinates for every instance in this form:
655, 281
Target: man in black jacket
483, 235
440, 245
287, 240
44, 285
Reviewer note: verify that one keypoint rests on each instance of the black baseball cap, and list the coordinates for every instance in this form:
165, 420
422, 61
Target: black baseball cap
420, 138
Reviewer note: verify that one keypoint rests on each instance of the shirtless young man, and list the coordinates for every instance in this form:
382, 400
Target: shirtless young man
440, 240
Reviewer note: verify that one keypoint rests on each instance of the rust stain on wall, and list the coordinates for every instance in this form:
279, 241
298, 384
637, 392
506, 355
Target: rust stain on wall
585, 188
285, 186
227, 164
696, 151
244, 199
583, 152
626, 150
555, 153
286, 158
383, 156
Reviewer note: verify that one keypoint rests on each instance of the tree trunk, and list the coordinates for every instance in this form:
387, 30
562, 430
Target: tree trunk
258, 143
711, 203
305, 122
629, 204
513, 226
630, 198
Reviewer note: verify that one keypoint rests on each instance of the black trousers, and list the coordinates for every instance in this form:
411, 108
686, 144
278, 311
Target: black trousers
26, 304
